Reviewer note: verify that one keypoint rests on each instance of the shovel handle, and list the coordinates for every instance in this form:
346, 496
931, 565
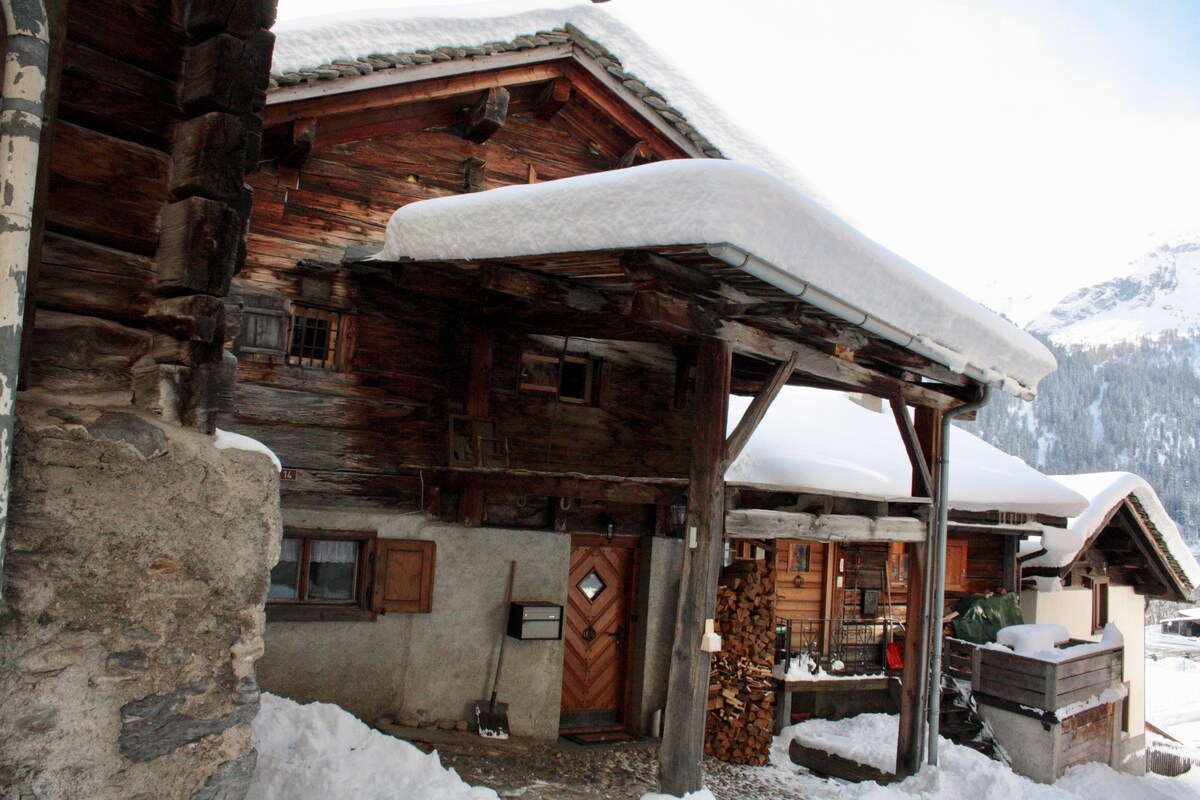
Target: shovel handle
512, 577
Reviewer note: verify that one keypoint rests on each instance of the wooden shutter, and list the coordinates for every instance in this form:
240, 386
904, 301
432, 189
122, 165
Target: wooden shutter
264, 324
403, 575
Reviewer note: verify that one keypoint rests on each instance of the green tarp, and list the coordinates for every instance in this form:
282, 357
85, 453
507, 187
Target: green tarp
981, 618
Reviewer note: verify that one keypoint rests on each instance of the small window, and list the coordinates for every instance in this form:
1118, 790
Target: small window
572, 378
348, 576
321, 571
314, 337
1099, 587
799, 556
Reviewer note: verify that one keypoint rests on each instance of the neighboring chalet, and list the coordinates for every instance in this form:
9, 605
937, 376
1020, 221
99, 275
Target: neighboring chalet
1186, 624
1101, 567
533, 364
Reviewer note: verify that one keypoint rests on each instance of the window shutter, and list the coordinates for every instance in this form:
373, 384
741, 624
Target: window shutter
264, 324
403, 576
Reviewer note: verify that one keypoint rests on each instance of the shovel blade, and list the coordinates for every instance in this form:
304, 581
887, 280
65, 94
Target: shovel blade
492, 719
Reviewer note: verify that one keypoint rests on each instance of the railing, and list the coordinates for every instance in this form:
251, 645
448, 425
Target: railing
1170, 759
858, 644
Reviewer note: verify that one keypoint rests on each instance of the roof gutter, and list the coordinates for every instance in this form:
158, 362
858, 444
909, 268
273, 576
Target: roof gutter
26, 65
769, 273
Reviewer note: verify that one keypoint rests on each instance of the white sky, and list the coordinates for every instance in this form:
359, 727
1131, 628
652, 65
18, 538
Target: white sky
1013, 148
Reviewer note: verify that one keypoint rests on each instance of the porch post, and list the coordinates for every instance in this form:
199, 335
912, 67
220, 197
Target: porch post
682, 750
915, 678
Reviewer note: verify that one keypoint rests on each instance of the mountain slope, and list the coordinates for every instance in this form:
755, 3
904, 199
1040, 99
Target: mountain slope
1161, 293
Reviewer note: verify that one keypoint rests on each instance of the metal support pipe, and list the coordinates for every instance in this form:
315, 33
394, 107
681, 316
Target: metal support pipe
939, 592
26, 65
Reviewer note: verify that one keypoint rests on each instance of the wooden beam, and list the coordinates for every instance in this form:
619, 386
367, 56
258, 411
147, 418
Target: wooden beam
682, 749
922, 478
304, 136
757, 410
540, 290
653, 265
638, 154
487, 115
669, 313
555, 95
761, 524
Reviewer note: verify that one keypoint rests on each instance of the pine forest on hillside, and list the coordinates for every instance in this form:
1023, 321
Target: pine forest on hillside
1132, 406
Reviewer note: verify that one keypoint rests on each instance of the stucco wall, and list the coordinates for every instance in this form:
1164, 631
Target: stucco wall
1072, 607
434, 665
658, 600
136, 570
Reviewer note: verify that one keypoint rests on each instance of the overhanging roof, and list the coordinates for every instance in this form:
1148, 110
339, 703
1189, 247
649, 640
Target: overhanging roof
780, 243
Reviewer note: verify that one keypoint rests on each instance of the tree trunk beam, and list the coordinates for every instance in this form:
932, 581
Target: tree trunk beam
761, 524
638, 154
922, 478
553, 98
757, 410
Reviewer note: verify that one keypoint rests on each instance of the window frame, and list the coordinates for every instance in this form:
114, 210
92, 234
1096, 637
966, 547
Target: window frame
528, 383
357, 608
1101, 602
334, 359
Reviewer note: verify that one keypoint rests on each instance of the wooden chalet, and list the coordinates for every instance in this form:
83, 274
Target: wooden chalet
444, 411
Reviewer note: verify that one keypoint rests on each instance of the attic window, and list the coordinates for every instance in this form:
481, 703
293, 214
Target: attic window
572, 378
1099, 587
313, 340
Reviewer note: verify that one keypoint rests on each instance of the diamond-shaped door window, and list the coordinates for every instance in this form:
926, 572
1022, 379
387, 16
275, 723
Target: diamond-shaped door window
592, 586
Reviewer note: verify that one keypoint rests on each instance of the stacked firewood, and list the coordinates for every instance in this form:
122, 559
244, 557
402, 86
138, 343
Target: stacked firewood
741, 697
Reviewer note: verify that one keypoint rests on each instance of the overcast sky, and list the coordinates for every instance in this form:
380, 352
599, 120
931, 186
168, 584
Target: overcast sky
1010, 147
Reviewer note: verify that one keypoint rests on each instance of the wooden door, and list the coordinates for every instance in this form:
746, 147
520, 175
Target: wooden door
597, 634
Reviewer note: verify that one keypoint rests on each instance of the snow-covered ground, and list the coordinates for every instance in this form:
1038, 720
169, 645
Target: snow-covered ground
320, 752
1173, 684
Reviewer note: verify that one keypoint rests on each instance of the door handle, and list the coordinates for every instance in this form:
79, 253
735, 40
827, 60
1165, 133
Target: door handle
619, 633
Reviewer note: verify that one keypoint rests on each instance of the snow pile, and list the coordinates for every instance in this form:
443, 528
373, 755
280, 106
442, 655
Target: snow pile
804, 668
1026, 640
963, 773
1038, 641
227, 440
1104, 491
797, 245
320, 752
824, 442
703, 794
350, 35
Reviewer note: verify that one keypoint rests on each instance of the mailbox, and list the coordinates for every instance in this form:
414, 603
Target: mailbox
531, 619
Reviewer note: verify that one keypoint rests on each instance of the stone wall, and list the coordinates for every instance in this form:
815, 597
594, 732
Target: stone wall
131, 620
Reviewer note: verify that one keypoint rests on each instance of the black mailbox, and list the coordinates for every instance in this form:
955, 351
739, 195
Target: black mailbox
531, 619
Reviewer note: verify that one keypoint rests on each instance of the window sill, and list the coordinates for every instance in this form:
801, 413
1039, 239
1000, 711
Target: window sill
286, 612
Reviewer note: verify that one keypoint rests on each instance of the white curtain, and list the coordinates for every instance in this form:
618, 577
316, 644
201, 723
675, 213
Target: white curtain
328, 552
289, 550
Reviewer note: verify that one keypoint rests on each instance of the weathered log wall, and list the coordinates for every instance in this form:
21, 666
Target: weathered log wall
353, 433
155, 112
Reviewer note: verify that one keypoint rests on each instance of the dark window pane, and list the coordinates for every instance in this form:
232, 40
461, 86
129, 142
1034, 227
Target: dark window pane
331, 569
574, 383
285, 574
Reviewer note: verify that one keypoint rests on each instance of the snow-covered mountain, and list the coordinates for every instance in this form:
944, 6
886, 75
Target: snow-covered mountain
1160, 293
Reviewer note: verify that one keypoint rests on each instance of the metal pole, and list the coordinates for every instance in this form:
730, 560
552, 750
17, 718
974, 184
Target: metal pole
939, 592
26, 63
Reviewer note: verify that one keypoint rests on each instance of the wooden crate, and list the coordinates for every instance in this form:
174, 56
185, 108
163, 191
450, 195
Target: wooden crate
1045, 685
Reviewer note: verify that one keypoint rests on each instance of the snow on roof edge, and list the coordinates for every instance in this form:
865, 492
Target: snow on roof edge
1105, 490
710, 202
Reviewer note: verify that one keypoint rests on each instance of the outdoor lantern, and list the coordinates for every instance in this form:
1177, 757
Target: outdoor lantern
678, 509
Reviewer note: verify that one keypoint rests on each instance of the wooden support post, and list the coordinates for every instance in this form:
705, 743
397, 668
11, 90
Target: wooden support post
916, 630
487, 115
757, 410
682, 750
922, 477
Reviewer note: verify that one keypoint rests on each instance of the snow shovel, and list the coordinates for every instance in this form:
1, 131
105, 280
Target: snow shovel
490, 716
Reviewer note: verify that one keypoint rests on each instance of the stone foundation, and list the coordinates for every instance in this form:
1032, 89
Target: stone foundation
137, 565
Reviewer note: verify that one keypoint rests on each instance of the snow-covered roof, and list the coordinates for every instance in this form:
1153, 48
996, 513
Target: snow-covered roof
825, 442
750, 219
360, 43
1105, 491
